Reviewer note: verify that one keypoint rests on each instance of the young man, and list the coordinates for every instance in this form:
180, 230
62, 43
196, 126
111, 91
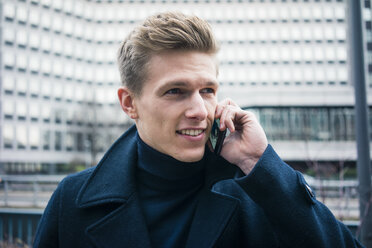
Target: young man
159, 185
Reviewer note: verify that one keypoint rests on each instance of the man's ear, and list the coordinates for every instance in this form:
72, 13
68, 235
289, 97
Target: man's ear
126, 98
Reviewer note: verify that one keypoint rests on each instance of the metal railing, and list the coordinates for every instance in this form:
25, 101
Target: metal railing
27, 190
23, 198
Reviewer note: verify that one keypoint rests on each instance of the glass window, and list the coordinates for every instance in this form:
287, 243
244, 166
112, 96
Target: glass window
100, 75
34, 17
79, 30
34, 111
306, 33
342, 74
8, 58
8, 34
69, 92
68, 26
295, 12
317, 13
46, 89
79, 93
21, 14
329, 33
88, 12
57, 23
307, 53
318, 33
46, 139
8, 109
46, 112
340, 12
70, 141
57, 4
341, 53
8, 135
22, 61
79, 51
318, 53
34, 137
283, 12
68, 6
99, 34
58, 68
88, 32
296, 33
46, 65
328, 12
22, 85
285, 33
21, 137
306, 13
79, 8
308, 74
79, 72
34, 40
69, 70
340, 33
319, 74
9, 10
21, 110
330, 54
58, 90
331, 75
68, 49
46, 20
8, 83
34, 64
34, 87
46, 43
57, 46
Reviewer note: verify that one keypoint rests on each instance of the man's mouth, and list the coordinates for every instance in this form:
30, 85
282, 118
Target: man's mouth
191, 132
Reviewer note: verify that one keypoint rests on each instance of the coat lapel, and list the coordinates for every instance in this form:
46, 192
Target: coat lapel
214, 210
124, 227
113, 184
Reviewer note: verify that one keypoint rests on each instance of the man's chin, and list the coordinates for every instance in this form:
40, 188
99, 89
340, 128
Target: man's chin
191, 155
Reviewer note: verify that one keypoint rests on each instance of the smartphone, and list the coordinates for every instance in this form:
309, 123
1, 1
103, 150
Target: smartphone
217, 137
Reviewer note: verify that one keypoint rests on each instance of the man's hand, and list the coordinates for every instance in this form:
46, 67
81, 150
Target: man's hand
247, 140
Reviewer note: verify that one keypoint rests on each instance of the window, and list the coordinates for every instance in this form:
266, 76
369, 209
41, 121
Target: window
68, 27
21, 86
34, 111
21, 14
46, 139
34, 138
21, 62
58, 91
8, 84
46, 43
8, 36
57, 68
34, 17
21, 137
8, 59
34, 64
9, 11
46, 20
70, 141
46, 66
46, 112
34, 41
21, 110
8, 109
34, 87
46, 89
8, 136
57, 23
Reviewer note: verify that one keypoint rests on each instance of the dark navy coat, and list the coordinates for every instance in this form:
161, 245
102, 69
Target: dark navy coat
271, 207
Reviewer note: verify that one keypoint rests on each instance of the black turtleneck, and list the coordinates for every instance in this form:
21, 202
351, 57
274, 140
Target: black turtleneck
168, 191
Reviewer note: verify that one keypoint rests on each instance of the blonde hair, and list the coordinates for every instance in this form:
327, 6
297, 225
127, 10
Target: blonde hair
158, 33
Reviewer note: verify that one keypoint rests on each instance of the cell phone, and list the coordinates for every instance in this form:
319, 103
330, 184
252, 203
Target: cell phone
217, 137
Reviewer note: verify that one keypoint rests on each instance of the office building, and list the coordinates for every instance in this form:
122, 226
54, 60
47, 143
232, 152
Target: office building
285, 60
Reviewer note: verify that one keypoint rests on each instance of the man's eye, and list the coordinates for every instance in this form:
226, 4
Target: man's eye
174, 91
208, 90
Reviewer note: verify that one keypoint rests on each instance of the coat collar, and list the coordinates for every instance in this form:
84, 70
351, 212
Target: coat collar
113, 182
113, 178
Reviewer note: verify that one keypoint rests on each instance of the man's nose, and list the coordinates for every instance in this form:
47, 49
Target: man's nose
197, 109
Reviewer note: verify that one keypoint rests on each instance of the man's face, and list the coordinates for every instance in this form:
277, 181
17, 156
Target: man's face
175, 110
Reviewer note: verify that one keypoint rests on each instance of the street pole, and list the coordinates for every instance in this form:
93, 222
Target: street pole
357, 70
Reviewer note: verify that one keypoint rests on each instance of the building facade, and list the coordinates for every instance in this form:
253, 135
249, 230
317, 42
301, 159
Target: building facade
285, 60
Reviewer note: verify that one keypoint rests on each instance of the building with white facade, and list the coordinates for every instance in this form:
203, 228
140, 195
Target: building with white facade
286, 60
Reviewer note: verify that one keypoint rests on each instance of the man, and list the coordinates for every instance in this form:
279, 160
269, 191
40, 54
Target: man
159, 185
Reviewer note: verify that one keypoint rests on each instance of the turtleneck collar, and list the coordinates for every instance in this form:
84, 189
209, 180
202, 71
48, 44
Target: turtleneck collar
160, 171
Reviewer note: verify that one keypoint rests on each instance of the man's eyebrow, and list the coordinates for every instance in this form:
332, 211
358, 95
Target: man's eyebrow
182, 84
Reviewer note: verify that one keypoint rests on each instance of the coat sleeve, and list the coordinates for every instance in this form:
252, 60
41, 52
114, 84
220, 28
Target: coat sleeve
299, 220
47, 230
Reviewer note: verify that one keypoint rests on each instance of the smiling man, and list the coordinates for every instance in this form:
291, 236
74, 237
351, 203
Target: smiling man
160, 185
